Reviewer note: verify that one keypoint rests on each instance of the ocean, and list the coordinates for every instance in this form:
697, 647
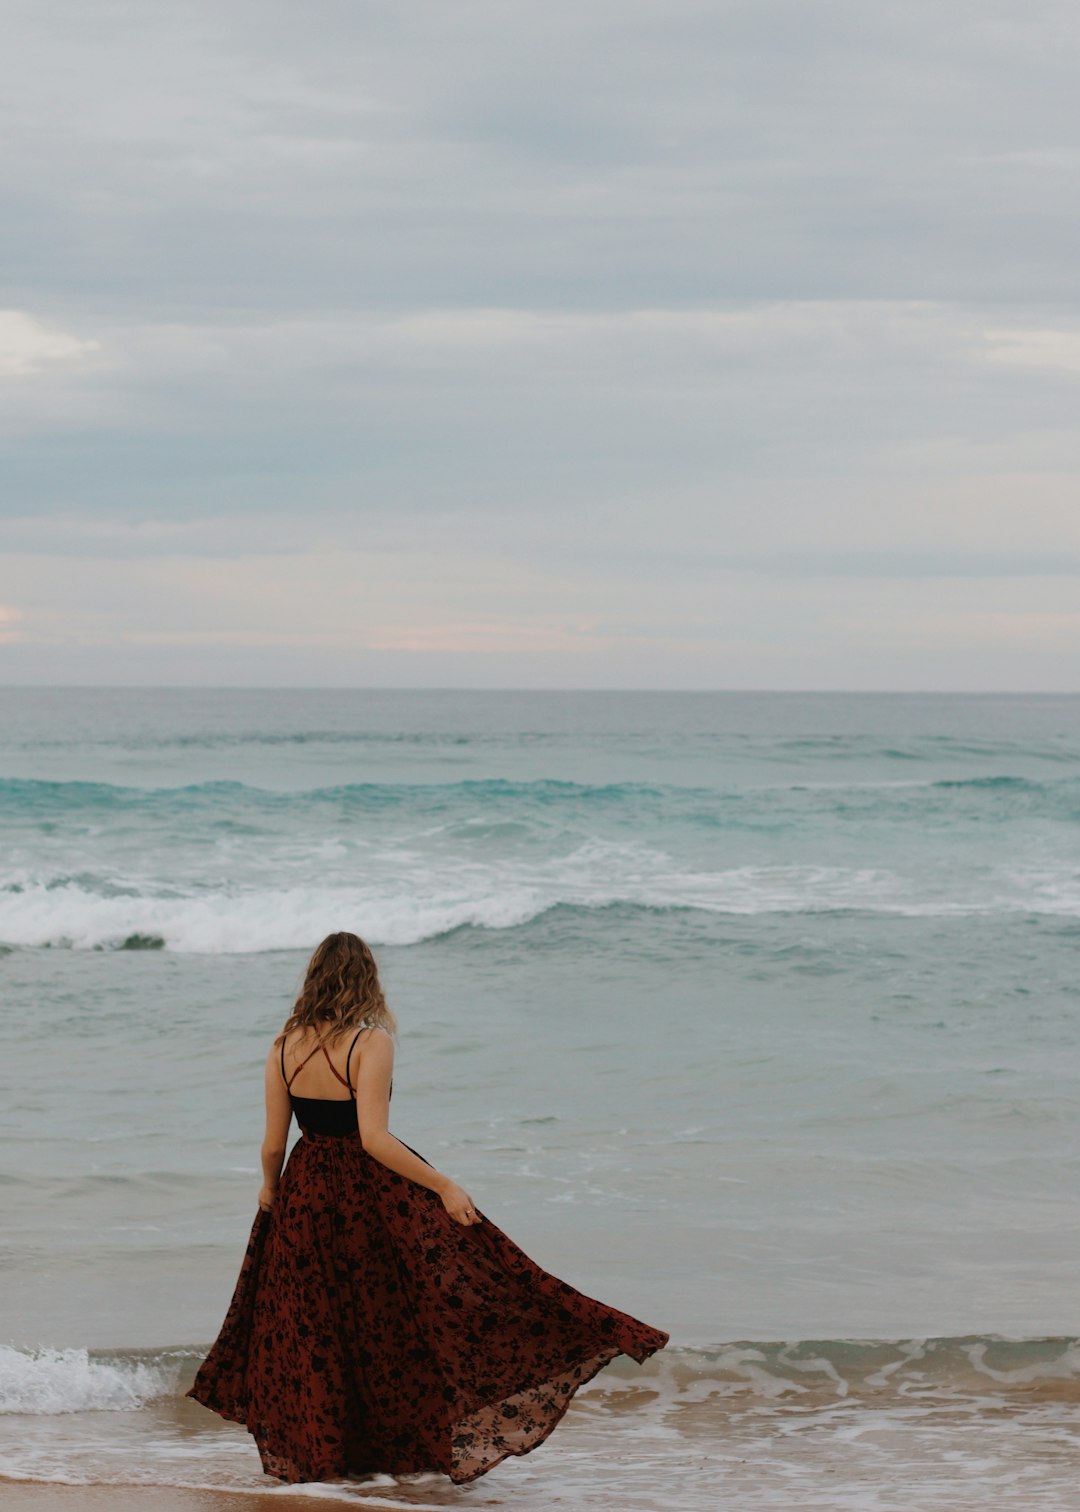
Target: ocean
754, 1015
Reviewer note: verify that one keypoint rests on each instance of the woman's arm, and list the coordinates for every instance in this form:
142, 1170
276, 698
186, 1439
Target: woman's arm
278, 1118
373, 1114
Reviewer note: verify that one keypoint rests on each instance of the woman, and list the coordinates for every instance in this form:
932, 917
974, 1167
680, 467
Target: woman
380, 1321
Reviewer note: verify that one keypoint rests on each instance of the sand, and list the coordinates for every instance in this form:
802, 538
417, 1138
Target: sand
34, 1496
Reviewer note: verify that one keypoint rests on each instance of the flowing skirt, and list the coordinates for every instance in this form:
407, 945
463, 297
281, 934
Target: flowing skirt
371, 1332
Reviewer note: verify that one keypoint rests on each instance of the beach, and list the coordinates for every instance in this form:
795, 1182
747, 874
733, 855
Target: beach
46, 1498
752, 1015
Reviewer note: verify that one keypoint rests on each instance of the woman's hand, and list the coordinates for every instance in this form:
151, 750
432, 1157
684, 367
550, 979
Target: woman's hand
459, 1204
266, 1197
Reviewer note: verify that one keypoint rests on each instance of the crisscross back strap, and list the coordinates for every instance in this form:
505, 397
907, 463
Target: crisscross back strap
288, 1080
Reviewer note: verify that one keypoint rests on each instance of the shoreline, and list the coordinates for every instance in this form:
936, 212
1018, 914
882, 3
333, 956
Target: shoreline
103, 1496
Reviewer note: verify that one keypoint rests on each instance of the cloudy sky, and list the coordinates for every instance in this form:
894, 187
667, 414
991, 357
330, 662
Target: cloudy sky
626, 343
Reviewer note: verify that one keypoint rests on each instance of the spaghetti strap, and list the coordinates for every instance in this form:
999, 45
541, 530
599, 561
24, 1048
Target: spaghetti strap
348, 1058
290, 1079
346, 1080
333, 1068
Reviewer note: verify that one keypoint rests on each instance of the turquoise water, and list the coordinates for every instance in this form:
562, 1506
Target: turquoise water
755, 1015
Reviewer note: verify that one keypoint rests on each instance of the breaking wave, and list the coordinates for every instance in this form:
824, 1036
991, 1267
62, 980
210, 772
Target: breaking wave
50, 1381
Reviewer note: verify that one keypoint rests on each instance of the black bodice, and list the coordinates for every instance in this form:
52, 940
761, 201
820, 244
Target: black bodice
325, 1115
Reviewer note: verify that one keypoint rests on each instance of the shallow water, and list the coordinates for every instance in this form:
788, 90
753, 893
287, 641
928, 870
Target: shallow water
958, 1423
755, 1015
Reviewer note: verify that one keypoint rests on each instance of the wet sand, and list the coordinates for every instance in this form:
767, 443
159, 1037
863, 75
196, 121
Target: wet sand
34, 1496
43, 1496
37, 1496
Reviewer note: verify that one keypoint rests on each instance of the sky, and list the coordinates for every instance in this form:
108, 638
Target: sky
619, 344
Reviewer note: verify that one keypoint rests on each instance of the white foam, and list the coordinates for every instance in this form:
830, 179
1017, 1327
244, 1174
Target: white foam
1065, 1367
414, 898
246, 922
51, 1381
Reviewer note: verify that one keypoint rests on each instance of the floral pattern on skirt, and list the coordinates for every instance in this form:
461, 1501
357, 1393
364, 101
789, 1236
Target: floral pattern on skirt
371, 1332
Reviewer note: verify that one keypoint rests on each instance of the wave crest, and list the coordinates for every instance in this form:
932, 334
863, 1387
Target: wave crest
45, 1382
85, 914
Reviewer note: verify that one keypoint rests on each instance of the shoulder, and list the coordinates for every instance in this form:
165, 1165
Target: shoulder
363, 1029
278, 1045
369, 1035
372, 1044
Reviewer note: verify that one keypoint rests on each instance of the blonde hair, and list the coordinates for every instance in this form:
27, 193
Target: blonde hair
341, 990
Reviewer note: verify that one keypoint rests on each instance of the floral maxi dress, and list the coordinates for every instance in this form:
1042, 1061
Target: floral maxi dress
370, 1332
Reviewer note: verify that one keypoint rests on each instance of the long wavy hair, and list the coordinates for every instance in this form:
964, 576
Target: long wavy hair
341, 989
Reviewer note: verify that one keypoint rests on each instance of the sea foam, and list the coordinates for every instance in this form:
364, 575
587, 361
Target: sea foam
255, 919
244, 923
45, 1382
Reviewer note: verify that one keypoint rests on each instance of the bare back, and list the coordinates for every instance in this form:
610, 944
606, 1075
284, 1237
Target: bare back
324, 1069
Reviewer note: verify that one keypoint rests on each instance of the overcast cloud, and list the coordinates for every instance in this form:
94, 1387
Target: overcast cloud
606, 344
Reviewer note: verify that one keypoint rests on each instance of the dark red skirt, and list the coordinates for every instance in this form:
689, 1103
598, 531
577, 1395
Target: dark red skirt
370, 1332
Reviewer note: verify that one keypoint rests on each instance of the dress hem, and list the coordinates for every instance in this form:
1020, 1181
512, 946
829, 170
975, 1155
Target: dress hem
234, 1413
605, 1360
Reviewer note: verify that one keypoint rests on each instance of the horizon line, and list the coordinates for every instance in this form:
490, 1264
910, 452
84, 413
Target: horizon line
134, 687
